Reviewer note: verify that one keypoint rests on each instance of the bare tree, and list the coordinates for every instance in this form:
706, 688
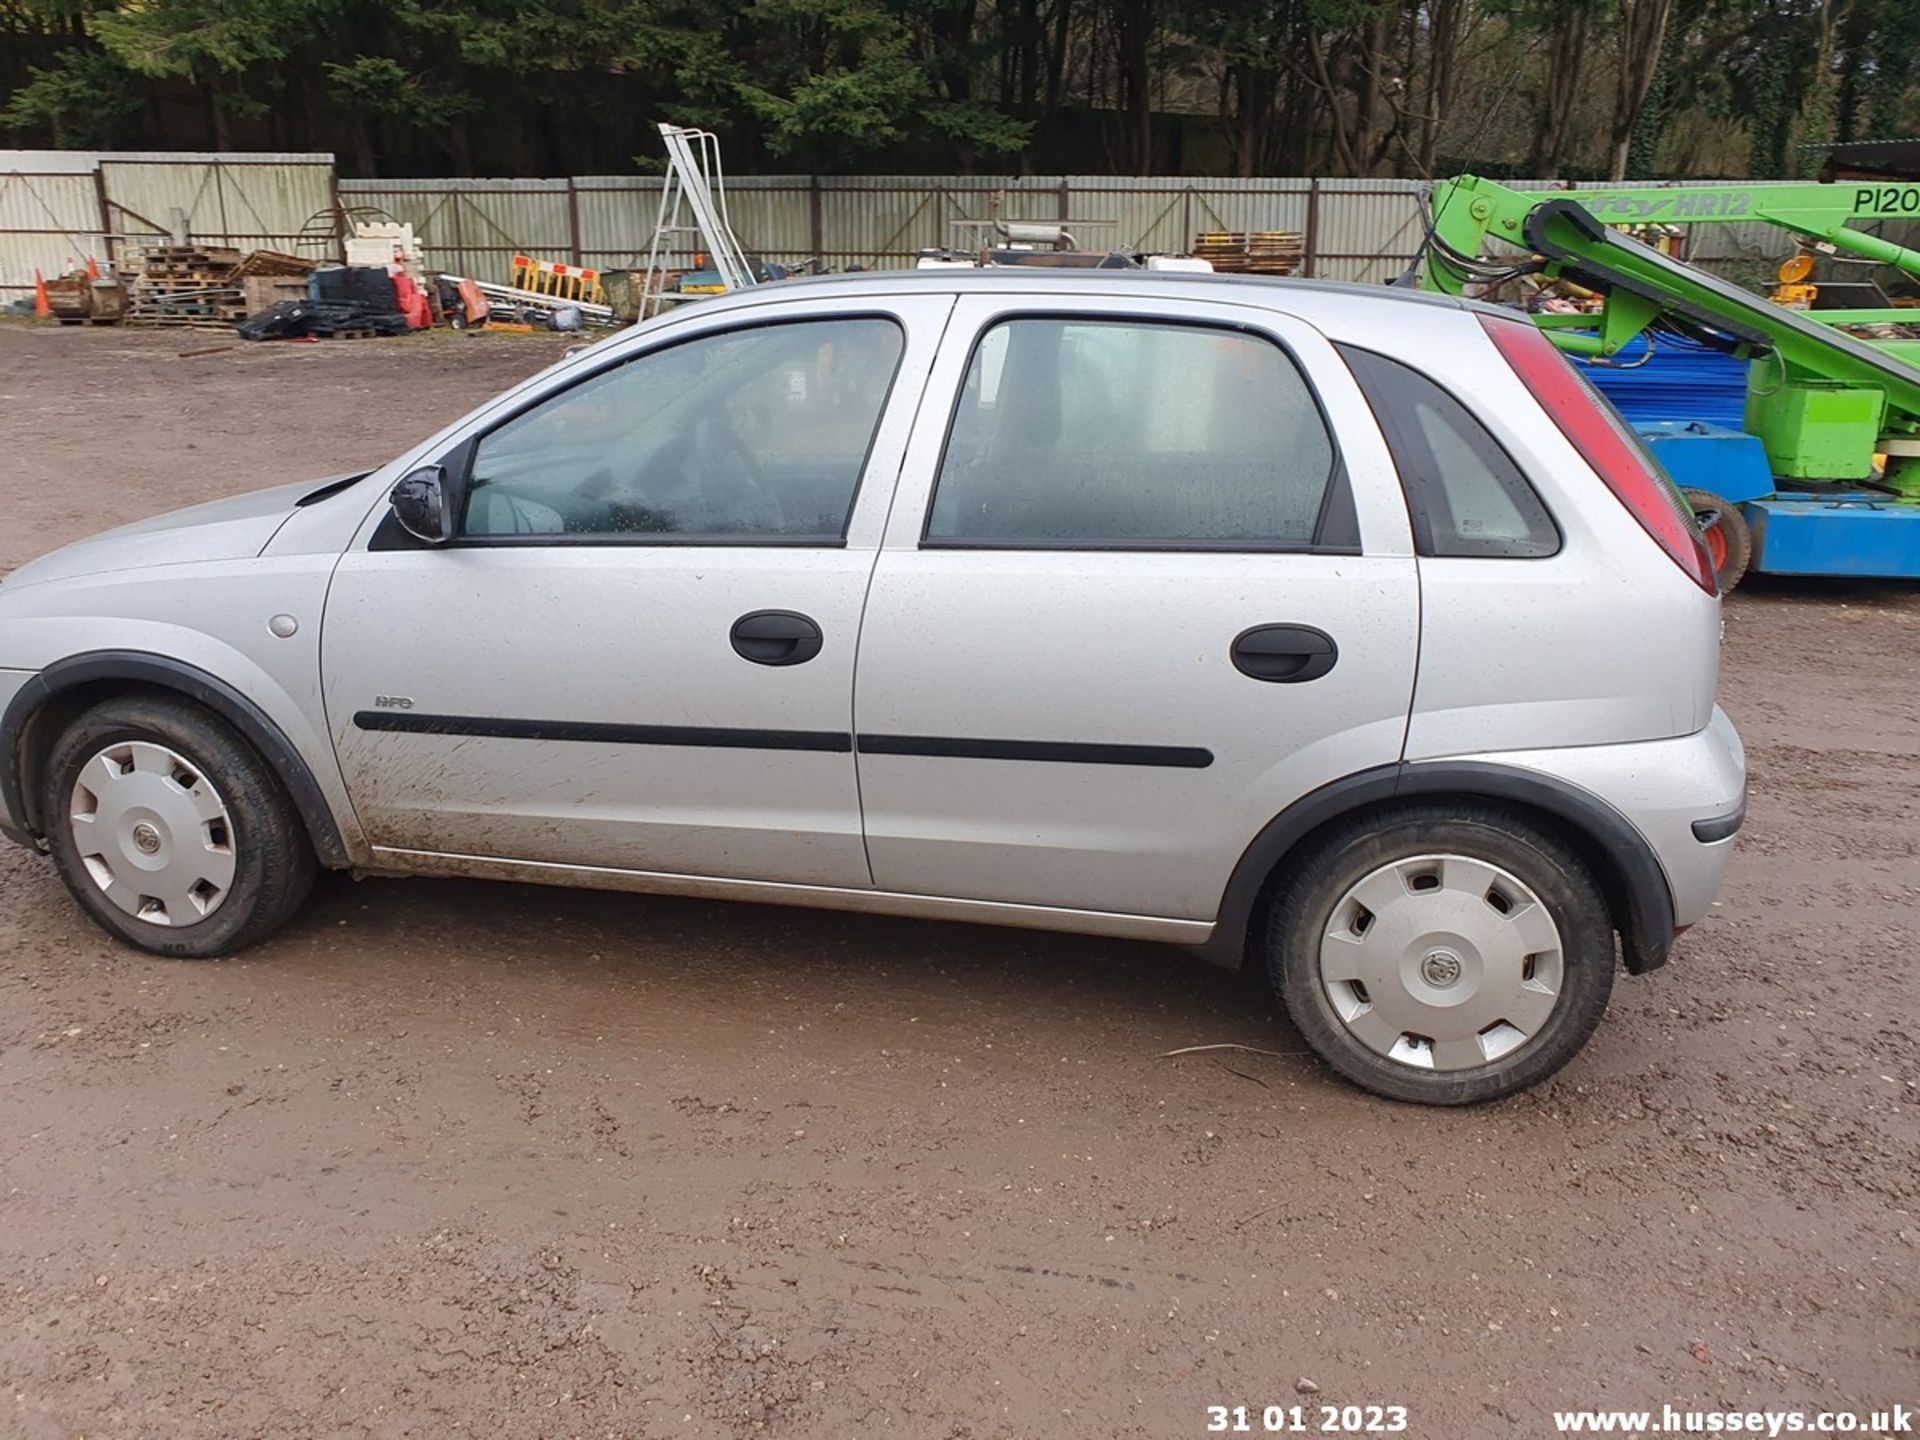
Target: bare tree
1134, 22
1567, 27
1643, 31
1445, 24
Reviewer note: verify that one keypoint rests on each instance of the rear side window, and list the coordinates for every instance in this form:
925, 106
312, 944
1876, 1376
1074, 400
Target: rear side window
1465, 495
1132, 434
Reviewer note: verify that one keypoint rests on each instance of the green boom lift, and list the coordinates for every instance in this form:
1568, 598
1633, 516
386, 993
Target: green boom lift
1823, 404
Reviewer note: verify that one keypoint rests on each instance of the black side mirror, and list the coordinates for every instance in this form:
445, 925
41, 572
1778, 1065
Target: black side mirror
422, 506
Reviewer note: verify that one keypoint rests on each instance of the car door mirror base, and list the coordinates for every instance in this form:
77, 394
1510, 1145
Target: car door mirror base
423, 505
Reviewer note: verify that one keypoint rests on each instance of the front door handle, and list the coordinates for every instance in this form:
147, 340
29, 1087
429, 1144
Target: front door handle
1284, 654
776, 637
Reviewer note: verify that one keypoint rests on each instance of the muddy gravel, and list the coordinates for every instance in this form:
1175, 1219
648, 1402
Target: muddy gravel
454, 1158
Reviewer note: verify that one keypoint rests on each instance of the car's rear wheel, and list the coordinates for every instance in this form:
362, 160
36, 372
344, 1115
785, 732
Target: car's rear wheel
1442, 955
171, 831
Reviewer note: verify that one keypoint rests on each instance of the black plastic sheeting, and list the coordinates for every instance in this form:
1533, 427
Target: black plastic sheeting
340, 298
293, 319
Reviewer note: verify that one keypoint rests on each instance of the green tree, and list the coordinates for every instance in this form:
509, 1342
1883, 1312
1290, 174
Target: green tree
212, 43
82, 101
1360, 87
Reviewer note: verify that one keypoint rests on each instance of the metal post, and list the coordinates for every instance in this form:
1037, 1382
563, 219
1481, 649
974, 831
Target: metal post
220, 200
573, 218
339, 210
1310, 242
815, 226
107, 226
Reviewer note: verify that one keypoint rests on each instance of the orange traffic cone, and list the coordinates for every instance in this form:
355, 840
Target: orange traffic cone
40, 306
93, 268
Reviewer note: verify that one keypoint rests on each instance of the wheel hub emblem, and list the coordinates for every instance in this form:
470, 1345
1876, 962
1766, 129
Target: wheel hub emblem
146, 838
1440, 968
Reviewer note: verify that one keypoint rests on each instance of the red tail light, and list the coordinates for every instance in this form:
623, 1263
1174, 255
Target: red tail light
1598, 434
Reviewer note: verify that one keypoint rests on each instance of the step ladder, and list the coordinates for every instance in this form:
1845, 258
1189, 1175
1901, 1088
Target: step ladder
695, 185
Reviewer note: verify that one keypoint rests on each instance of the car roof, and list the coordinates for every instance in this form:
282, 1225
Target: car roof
1279, 292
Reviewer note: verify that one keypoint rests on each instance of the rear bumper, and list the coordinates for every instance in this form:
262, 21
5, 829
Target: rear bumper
1686, 797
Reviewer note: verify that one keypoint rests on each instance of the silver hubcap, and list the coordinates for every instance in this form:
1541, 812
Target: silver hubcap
152, 833
1442, 963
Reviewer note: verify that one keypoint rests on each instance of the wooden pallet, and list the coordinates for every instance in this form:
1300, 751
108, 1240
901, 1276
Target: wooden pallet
190, 287
356, 332
1250, 252
167, 302
185, 287
274, 263
176, 259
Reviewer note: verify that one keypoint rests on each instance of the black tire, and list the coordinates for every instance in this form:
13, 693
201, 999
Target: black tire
273, 860
1729, 541
1303, 909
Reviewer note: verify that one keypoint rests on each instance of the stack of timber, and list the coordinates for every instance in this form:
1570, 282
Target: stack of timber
208, 287
192, 287
1254, 252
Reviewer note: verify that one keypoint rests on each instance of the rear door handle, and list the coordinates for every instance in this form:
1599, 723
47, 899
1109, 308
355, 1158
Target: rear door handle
776, 637
1284, 654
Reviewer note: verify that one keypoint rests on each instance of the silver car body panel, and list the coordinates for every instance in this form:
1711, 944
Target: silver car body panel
1662, 787
236, 528
214, 616
1605, 641
12, 682
1596, 666
633, 634
822, 897
1121, 648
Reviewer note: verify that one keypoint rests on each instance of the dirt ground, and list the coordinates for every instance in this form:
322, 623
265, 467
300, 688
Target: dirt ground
456, 1158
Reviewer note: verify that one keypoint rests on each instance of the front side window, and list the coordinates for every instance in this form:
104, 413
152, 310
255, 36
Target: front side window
758, 434
1132, 433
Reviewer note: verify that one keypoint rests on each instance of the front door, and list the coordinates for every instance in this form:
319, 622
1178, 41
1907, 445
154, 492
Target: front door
1135, 599
638, 653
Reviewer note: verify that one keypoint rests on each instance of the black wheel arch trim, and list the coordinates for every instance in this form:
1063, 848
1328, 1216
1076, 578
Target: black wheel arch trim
196, 684
1636, 889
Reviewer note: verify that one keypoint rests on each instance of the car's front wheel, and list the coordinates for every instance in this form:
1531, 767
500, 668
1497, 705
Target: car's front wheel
171, 831
1442, 955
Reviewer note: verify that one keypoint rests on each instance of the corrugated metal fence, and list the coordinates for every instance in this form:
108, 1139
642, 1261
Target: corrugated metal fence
1353, 229
1359, 230
57, 208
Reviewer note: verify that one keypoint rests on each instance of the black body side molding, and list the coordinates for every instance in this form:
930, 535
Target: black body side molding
838, 742
1630, 875
596, 732
163, 673
1723, 827
1064, 752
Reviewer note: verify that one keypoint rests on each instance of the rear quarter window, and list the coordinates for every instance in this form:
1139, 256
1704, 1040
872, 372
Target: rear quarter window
1465, 495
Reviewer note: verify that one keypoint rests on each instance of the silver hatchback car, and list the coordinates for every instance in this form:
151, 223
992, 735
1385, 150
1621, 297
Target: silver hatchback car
1343, 633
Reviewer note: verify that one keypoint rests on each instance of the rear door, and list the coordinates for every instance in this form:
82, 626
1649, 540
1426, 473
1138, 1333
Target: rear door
1147, 579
